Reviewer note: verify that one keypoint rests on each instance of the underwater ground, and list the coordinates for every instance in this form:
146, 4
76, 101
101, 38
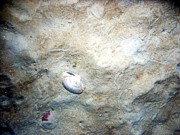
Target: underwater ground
126, 52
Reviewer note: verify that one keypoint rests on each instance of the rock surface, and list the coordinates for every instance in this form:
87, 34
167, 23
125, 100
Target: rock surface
125, 52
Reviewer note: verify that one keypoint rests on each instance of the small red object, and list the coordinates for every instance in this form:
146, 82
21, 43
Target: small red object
46, 116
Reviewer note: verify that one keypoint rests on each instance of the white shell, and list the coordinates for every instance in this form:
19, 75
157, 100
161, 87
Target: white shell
72, 82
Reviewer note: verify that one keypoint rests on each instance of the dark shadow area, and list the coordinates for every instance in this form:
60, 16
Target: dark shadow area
6, 103
3, 2
5, 129
175, 3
